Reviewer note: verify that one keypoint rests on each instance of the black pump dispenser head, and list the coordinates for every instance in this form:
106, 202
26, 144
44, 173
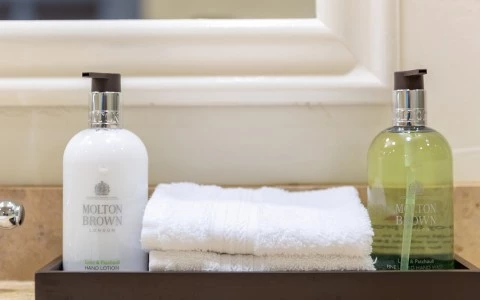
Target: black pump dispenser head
409, 98
409, 80
105, 109
104, 82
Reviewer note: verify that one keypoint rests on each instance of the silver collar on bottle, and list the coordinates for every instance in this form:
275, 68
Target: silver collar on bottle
105, 110
409, 108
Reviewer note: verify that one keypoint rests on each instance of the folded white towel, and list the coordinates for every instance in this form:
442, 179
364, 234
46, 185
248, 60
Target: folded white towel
168, 261
266, 221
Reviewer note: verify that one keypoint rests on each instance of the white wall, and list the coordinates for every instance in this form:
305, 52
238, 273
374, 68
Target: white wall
225, 145
444, 36
253, 145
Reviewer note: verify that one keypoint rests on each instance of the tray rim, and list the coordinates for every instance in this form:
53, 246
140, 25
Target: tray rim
54, 266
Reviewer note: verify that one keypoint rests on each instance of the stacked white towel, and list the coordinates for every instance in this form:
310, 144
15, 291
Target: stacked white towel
174, 261
191, 227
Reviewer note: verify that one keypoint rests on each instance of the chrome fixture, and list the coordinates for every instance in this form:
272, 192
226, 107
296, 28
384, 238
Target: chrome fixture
11, 214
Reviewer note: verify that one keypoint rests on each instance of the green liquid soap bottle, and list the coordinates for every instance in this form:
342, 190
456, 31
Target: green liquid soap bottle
410, 186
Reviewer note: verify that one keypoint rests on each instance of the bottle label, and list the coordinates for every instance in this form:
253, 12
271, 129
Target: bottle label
102, 212
102, 265
432, 226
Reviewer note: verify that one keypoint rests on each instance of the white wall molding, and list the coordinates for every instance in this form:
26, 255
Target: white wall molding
346, 56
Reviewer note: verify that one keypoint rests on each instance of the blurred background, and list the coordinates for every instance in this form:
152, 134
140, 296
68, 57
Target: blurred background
154, 9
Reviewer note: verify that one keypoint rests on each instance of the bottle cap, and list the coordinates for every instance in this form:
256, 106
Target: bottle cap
409, 98
104, 106
409, 80
104, 82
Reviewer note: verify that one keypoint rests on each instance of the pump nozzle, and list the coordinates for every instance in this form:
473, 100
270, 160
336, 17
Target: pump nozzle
105, 106
409, 80
104, 82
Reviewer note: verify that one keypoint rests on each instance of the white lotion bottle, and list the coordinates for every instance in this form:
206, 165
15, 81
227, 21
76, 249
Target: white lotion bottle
105, 188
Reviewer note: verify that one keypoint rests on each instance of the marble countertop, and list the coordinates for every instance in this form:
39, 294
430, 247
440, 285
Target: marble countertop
17, 290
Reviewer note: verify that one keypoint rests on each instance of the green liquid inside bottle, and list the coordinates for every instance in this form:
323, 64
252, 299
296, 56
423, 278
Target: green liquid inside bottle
419, 158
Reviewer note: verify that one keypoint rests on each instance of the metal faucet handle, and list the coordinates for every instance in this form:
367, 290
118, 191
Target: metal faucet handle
11, 214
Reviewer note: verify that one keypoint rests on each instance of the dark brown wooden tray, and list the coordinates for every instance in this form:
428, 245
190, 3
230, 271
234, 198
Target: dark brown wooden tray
51, 283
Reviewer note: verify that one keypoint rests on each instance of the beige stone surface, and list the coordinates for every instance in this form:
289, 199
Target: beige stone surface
39, 240
17, 290
467, 223
25, 249
244, 9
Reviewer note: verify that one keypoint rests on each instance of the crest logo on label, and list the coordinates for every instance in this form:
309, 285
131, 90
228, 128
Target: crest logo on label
102, 189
